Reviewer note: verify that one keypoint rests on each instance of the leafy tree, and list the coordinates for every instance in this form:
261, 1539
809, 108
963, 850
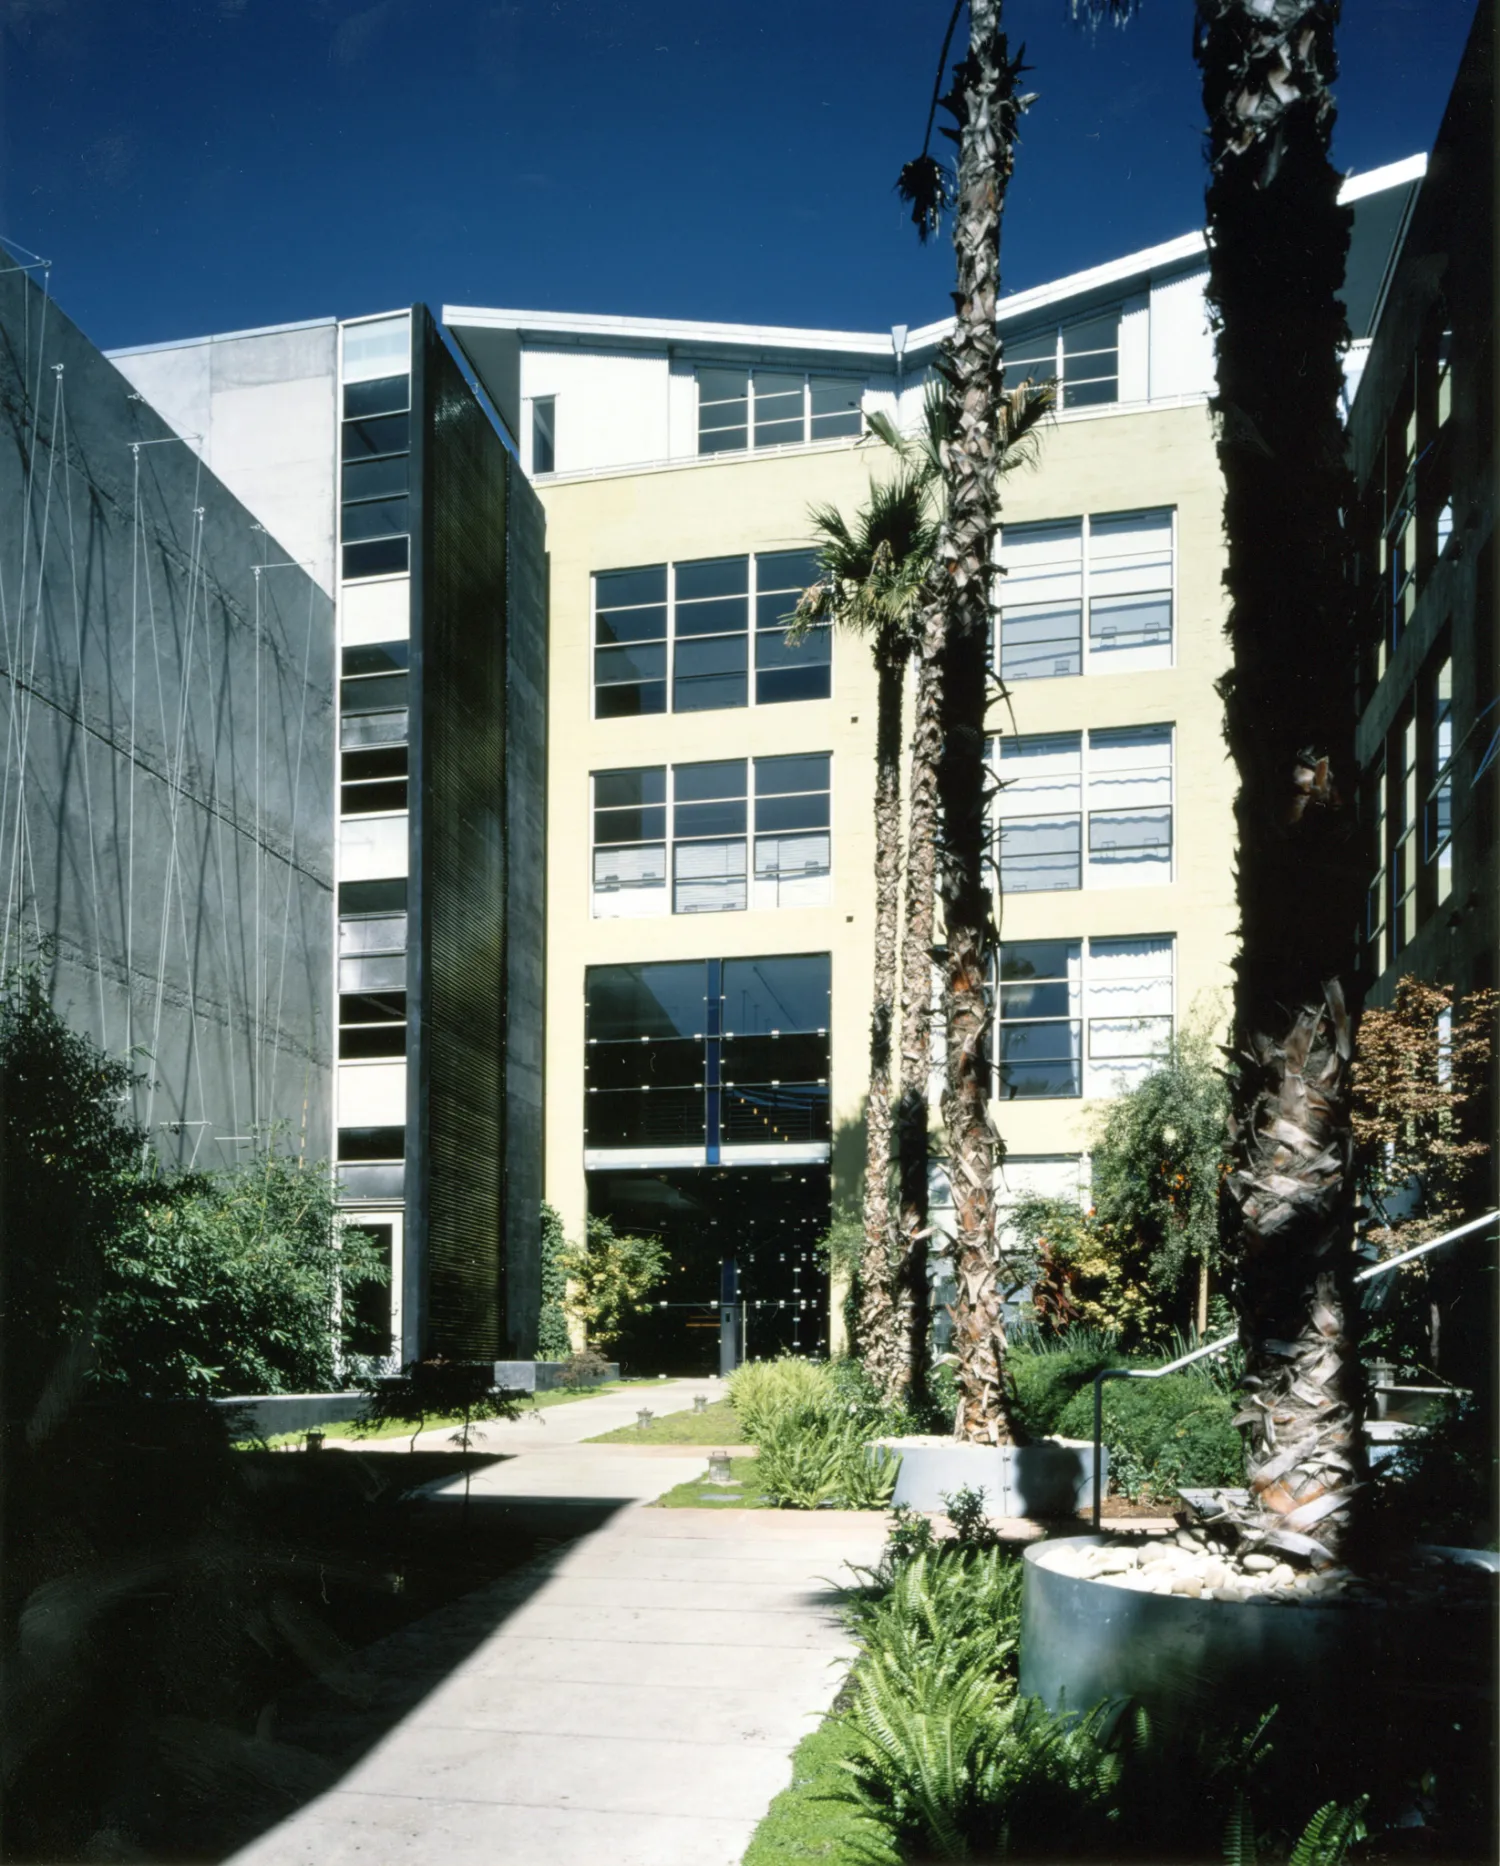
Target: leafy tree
552, 1342
608, 1276
231, 1283
1159, 1164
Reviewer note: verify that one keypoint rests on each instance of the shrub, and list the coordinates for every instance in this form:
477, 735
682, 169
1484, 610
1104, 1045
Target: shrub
552, 1341
1047, 1374
607, 1277
760, 1389
1162, 1434
439, 1389
230, 1283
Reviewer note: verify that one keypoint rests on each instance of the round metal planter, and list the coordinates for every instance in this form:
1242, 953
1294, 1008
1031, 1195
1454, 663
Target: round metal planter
1190, 1661
1049, 1480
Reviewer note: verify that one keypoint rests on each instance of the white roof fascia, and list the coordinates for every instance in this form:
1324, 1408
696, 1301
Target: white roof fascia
225, 336
1377, 180
581, 327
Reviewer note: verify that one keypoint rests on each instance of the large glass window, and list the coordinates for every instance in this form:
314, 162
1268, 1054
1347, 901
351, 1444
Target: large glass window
1081, 357
710, 635
374, 519
713, 1056
709, 812
1082, 1017
630, 642
686, 629
1093, 809
1113, 571
698, 822
372, 985
739, 408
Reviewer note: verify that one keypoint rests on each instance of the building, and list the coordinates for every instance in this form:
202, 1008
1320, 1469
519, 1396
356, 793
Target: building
1422, 441
1422, 447
361, 445
710, 784
167, 798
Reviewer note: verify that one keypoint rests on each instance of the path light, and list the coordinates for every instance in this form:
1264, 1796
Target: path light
315, 1441
700, 1402
718, 1467
644, 1417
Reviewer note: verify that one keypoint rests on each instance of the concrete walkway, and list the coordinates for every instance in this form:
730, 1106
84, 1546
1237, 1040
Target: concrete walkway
633, 1697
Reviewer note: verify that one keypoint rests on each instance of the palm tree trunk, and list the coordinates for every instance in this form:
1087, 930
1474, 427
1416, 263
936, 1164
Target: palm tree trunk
984, 104
1278, 240
876, 1331
909, 1372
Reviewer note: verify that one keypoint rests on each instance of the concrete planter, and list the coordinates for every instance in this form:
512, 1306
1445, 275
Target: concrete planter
267, 1414
1185, 1660
1050, 1479
543, 1376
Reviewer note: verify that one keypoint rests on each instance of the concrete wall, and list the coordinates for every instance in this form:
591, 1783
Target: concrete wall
166, 804
265, 406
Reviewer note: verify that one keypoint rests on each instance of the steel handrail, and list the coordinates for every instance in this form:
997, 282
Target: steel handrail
1228, 1341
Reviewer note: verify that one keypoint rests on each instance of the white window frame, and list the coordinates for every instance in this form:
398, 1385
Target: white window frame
1091, 878
755, 891
753, 590
1093, 1076
1108, 661
809, 439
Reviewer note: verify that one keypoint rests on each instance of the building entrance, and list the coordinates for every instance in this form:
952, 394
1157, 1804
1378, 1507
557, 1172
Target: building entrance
764, 1220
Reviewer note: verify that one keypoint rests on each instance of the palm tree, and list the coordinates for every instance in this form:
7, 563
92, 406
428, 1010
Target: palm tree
922, 453
986, 109
873, 583
1277, 244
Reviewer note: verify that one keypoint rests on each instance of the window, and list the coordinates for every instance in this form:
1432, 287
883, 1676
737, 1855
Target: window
708, 837
374, 517
710, 636
372, 985
544, 434
698, 823
1082, 1017
739, 408
1114, 568
373, 723
630, 642
1401, 834
723, 1058
1082, 357
1437, 830
1125, 776
1375, 909
786, 670
685, 629
793, 853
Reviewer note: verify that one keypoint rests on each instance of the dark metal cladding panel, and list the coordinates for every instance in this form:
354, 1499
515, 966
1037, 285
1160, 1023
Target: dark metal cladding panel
526, 910
459, 850
167, 716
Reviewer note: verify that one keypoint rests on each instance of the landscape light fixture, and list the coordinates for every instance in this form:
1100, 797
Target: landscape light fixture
718, 1467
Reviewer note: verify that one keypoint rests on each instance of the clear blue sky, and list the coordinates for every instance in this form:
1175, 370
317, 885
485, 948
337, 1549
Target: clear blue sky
199, 165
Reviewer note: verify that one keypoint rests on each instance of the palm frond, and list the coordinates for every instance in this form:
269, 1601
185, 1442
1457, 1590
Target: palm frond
928, 189
1096, 13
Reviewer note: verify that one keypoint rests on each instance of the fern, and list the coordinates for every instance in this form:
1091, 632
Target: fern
1328, 1836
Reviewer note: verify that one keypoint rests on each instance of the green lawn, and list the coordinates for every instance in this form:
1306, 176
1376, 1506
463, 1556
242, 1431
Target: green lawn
698, 1493
716, 1425
805, 1822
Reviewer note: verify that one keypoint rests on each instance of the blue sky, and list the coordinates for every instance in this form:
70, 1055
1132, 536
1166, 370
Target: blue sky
198, 165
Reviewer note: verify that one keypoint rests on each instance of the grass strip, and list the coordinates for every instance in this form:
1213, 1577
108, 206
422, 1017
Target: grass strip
807, 1821
698, 1494
715, 1425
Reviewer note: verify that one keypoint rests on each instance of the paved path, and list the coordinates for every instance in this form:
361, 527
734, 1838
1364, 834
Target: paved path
632, 1698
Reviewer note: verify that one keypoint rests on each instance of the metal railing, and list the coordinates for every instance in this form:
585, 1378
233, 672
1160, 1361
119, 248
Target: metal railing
1228, 1341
